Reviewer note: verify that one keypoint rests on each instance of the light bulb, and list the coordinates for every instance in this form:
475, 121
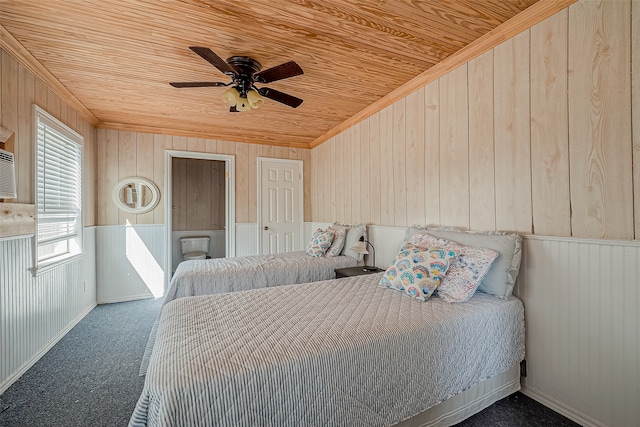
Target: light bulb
243, 105
254, 98
231, 96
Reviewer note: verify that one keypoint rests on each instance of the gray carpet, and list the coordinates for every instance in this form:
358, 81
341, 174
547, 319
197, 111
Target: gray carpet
90, 378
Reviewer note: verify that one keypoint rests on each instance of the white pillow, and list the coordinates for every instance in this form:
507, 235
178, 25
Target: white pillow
339, 236
354, 232
502, 275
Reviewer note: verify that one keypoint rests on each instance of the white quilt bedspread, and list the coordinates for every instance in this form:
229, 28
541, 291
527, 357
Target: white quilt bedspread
213, 276
333, 353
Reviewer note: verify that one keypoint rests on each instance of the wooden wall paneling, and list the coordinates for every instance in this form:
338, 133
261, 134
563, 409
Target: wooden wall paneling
315, 184
374, 168
482, 199
386, 167
25, 150
339, 177
180, 143
550, 127
354, 182
399, 163
293, 153
432, 153
454, 149
216, 191
160, 144
211, 146
53, 104
268, 151
347, 177
111, 176
196, 144
179, 194
414, 158
204, 181
512, 135
281, 152
307, 169
1, 86
600, 120
227, 147
9, 110
103, 192
242, 182
144, 167
90, 171
126, 167
255, 151
41, 94
364, 180
635, 109
330, 175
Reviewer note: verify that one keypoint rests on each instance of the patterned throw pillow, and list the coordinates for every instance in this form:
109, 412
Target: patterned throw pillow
465, 274
320, 242
339, 236
418, 271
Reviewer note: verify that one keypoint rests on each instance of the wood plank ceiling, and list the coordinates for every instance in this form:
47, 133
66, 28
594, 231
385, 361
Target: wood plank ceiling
117, 57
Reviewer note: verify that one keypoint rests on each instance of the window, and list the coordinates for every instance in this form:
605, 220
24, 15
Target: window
58, 190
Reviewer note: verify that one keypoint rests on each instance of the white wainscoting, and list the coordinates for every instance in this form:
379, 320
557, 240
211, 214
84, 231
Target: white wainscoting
246, 239
582, 302
130, 262
38, 311
582, 313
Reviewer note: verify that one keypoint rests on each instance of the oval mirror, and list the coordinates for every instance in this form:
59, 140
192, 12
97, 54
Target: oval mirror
136, 195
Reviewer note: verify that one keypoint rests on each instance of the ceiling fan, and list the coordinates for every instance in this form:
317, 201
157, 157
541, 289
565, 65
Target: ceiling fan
243, 95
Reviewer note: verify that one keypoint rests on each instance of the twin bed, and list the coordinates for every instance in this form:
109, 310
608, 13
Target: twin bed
335, 352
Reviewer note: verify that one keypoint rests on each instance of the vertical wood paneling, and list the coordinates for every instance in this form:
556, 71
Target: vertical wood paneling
399, 163
338, 176
415, 158
345, 182
386, 166
9, 111
454, 148
432, 153
126, 167
252, 167
635, 109
144, 167
482, 199
600, 120
354, 181
364, 181
373, 123
512, 135
242, 183
549, 127
307, 170
25, 151
160, 144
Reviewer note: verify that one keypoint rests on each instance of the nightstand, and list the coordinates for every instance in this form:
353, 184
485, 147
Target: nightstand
354, 271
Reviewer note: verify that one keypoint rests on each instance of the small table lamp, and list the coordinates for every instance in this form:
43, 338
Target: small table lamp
361, 248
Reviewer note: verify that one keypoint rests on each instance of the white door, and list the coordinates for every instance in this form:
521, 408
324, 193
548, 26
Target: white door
280, 205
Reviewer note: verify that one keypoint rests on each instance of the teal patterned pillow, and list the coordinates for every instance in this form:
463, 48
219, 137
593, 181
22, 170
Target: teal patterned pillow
320, 242
418, 271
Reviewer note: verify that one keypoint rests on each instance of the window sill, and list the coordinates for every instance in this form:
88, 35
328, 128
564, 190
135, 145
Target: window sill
59, 261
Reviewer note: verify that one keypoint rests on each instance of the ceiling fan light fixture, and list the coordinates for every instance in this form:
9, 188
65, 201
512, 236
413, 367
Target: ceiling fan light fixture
243, 104
254, 98
231, 97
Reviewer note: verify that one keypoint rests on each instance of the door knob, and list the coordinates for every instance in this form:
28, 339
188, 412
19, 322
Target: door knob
266, 228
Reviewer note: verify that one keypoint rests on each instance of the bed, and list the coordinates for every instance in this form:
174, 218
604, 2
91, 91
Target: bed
337, 352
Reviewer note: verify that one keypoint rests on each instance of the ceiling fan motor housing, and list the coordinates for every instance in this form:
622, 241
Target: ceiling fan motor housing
245, 67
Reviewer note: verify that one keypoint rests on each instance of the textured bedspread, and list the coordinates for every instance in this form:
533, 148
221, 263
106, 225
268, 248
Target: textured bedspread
218, 275
339, 352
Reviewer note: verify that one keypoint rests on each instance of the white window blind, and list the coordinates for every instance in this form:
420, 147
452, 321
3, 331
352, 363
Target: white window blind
58, 189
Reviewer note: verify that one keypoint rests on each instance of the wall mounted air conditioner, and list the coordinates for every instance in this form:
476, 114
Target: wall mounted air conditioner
7, 175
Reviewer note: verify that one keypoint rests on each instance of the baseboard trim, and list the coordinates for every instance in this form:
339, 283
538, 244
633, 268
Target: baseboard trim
128, 298
561, 408
32, 361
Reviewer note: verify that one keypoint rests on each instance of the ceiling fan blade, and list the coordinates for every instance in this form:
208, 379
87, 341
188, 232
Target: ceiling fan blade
199, 84
213, 59
233, 109
282, 97
279, 72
